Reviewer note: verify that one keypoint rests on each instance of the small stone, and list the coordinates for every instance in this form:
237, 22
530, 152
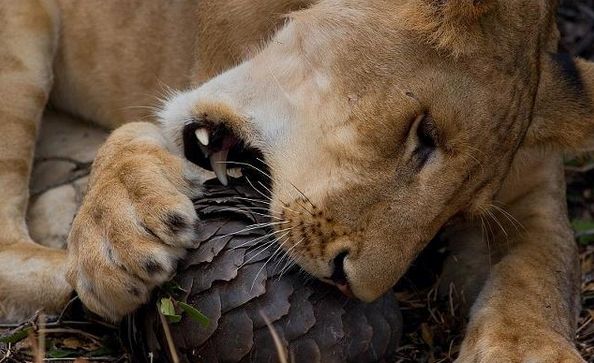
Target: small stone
50, 216
64, 137
50, 173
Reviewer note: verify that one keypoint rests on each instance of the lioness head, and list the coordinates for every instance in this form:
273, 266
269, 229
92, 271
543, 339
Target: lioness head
381, 120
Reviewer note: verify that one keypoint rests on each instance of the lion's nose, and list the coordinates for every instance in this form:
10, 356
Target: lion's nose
338, 275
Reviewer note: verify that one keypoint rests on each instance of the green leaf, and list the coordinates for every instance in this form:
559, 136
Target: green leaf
62, 353
582, 225
573, 162
173, 288
15, 336
174, 318
167, 308
584, 229
101, 352
194, 313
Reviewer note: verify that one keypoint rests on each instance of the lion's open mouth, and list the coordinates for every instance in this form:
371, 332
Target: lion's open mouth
218, 148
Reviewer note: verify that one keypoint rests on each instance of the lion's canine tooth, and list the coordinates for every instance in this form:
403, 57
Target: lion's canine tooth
218, 163
202, 136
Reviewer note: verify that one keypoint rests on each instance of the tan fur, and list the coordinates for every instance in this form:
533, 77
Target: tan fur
334, 101
139, 221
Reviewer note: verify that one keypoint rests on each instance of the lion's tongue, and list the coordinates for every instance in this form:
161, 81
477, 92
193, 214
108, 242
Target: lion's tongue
345, 289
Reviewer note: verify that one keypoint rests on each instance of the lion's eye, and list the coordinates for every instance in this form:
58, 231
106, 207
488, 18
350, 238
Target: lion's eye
426, 136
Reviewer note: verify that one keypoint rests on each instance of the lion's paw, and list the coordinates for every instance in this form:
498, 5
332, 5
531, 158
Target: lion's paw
135, 223
513, 344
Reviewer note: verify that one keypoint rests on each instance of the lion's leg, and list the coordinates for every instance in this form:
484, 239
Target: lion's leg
528, 307
31, 276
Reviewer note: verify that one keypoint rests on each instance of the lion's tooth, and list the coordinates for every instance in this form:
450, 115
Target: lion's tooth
202, 136
218, 163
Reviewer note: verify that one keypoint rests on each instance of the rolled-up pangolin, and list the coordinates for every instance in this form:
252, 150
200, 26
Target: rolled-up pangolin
235, 278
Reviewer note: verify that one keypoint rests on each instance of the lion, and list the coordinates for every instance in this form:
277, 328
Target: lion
382, 123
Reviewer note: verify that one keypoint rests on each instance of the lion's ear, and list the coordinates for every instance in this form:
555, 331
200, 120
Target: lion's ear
564, 110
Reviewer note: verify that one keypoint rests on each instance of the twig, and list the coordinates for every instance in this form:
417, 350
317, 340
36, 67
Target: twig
282, 354
66, 308
89, 336
586, 233
94, 359
41, 340
170, 344
7, 353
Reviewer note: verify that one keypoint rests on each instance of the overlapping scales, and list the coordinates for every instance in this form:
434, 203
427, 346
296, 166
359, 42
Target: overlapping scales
227, 277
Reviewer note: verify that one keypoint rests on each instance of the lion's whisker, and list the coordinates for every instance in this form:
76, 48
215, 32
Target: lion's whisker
248, 165
485, 234
271, 244
290, 261
288, 251
261, 269
257, 251
253, 200
302, 206
513, 220
291, 183
259, 191
268, 235
279, 248
237, 209
494, 218
284, 205
251, 227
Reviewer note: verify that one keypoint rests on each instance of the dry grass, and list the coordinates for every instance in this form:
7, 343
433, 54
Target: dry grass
433, 328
